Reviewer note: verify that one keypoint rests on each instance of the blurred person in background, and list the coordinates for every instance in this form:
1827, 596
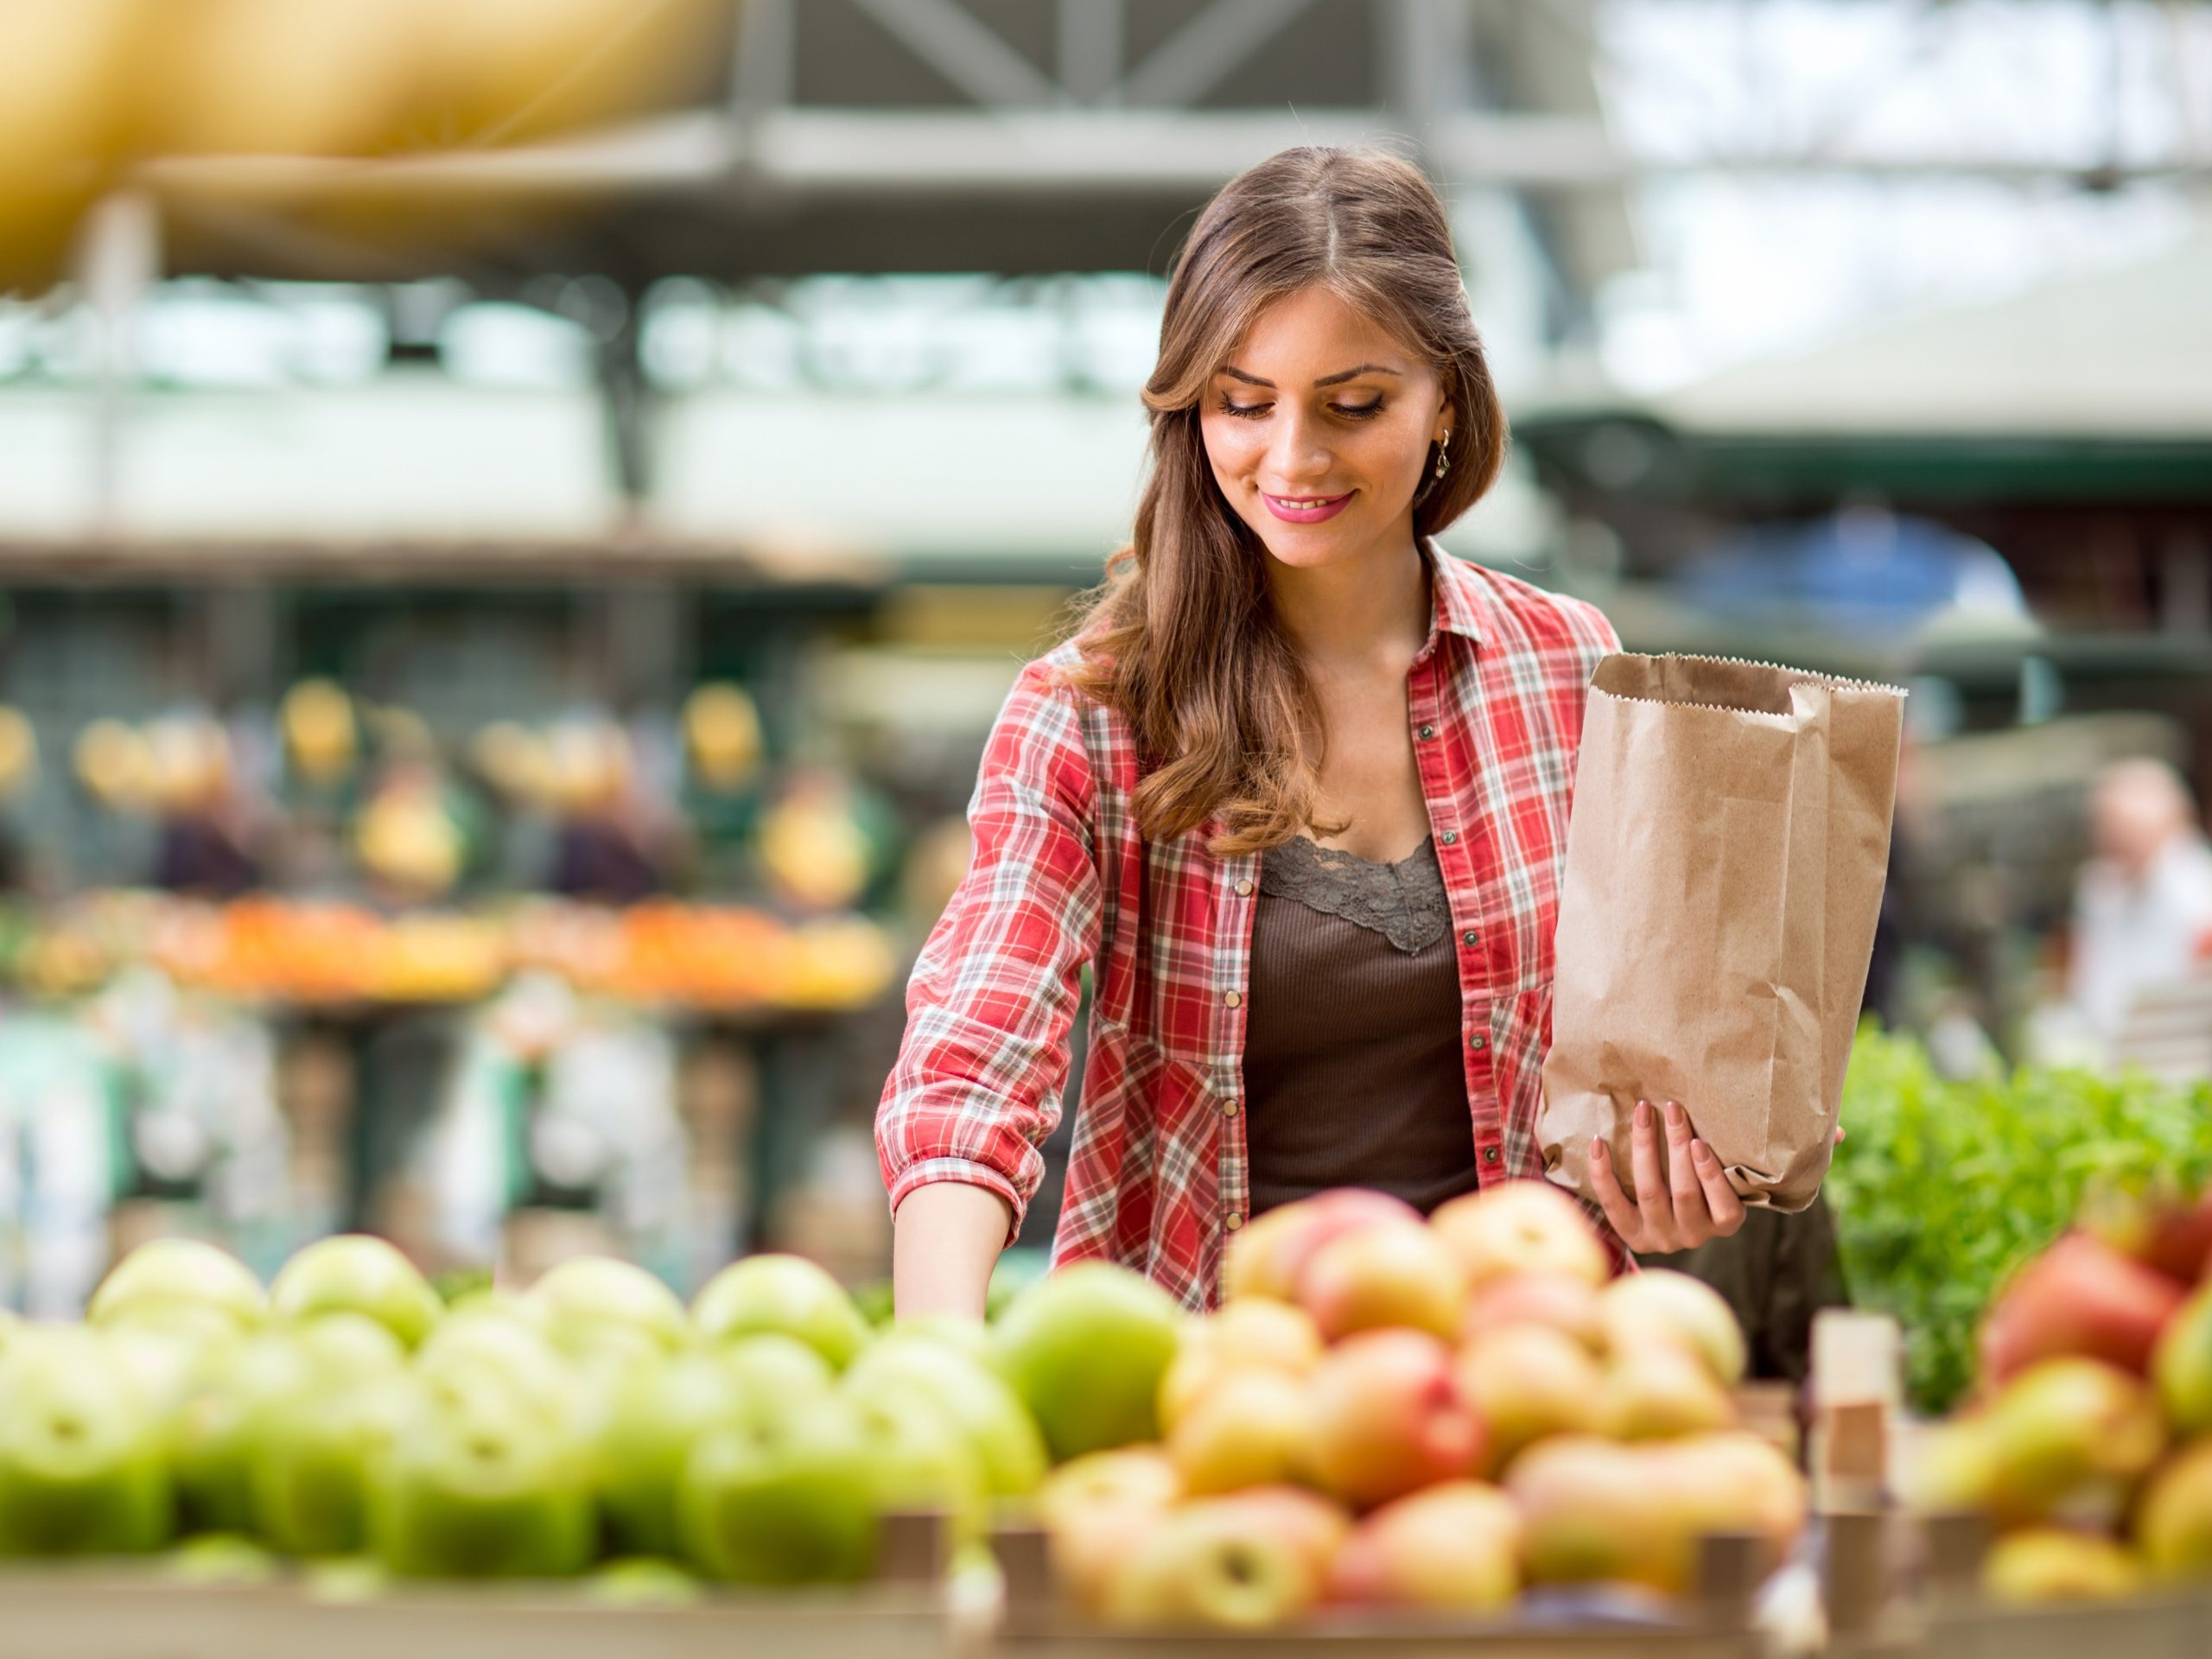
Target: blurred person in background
1296, 792
2143, 902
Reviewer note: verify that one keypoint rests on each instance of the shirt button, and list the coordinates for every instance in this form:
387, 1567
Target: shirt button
1244, 887
1235, 999
1479, 1042
1451, 836
1233, 1221
1471, 937
1229, 1109
1428, 731
1490, 1154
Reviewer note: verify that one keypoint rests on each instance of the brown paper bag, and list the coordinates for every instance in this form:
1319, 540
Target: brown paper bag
1725, 865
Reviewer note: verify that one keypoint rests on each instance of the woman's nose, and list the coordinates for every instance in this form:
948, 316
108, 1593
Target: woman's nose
1298, 448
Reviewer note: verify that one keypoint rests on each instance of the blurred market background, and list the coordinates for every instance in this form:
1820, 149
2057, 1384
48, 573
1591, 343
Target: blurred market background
516, 515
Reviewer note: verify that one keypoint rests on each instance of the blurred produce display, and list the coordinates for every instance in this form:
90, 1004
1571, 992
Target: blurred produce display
269, 948
2086, 1443
92, 88
1946, 1186
1387, 1415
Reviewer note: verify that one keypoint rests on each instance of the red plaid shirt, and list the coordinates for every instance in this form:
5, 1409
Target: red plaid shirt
1060, 877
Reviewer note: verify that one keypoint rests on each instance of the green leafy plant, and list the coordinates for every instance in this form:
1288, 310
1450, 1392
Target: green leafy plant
1944, 1186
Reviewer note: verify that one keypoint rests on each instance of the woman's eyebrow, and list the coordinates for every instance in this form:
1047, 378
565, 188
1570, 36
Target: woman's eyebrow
1337, 380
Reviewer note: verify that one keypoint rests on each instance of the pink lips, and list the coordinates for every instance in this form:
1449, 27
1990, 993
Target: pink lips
1330, 507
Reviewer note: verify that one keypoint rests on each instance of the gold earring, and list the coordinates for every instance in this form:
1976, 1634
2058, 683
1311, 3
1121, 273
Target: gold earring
1443, 455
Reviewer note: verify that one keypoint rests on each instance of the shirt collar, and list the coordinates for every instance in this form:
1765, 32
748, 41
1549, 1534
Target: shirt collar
1458, 607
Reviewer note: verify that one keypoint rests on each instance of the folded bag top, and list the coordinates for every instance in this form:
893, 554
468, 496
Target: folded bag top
1724, 864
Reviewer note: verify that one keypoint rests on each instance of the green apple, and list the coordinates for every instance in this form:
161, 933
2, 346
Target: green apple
923, 1461
1008, 1446
237, 1389
652, 1417
599, 1302
346, 1346
776, 1365
159, 1360
164, 1277
318, 1454
231, 1397
644, 1581
476, 1488
1085, 1350
787, 1295
784, 1495
514, 1351
81, 1466
971, 1337
220, 1558
354, 1272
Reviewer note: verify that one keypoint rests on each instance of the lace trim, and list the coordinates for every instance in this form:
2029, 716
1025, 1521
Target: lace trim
1404, 902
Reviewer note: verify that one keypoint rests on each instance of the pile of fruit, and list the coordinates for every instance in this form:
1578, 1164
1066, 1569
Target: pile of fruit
1391, 1413
1386, 1413
347, 1417
2087, 1443
311, 952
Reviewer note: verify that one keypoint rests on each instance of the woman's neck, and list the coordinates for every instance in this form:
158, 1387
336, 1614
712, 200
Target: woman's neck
1358, 613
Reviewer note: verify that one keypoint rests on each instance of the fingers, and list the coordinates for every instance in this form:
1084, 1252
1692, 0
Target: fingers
1687, 1191
1726, 1209
1651, 1199
1607, 1187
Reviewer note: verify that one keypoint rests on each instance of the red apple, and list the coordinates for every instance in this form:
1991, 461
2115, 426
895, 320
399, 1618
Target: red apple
1530, 1382
1267, 1257
1389, 1418
1313, 1522
2159, 1226
1518, 1227
1096, 1509
1455, 1548
1732, 1483
1656, 1390
1206, 1563
1566, 1305
2070, 1437
1254, 1427
1253, 1333
1592, 1512
1660, 1306
1393, 1273
2080, 1296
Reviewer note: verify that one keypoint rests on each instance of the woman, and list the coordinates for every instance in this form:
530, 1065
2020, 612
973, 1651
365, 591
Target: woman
1296, 790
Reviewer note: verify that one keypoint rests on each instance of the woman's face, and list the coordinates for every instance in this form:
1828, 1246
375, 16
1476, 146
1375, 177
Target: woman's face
1319, 428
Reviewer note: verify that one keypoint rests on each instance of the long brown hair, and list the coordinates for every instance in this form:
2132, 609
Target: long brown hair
1181, 639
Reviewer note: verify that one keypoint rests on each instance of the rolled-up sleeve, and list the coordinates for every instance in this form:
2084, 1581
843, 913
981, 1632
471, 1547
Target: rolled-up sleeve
977, 1087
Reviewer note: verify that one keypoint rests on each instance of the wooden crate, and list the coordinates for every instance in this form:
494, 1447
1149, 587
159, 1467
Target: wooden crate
92, 1614
128, 1610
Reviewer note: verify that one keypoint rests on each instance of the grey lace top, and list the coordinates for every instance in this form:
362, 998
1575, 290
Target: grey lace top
1352, 1069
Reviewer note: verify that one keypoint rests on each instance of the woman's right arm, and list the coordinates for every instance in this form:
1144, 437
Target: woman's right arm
977, 1087
946, 1238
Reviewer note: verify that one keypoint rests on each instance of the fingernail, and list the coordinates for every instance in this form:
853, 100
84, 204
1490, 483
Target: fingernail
1699, 1151
1643, 1114
1675, 1114
1597, 1150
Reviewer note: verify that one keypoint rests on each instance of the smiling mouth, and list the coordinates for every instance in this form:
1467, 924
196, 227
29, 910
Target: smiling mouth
1307, 502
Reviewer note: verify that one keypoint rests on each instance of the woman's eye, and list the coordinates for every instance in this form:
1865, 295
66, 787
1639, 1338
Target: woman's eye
1353, 410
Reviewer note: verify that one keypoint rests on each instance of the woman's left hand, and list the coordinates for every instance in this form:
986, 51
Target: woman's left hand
1692, 1203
